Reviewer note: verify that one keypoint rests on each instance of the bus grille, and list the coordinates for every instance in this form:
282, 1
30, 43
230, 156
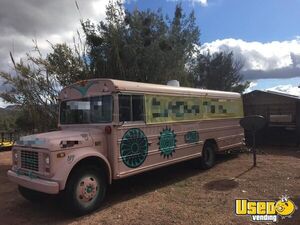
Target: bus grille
30, 160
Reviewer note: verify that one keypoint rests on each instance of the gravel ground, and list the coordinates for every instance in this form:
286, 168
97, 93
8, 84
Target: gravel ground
178, 194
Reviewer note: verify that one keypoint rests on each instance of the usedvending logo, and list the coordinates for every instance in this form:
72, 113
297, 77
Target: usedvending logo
265, 211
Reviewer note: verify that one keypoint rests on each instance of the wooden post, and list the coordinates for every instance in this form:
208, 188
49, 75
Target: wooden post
254, 149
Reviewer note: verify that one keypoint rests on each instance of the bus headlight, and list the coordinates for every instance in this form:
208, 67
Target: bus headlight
15, 155
47, 160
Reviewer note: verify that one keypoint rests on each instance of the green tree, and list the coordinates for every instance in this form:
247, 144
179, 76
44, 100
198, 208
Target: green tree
7, 120
25, 122
141, 45
218, 71
104, 43
68, 65
35, 82
183, 39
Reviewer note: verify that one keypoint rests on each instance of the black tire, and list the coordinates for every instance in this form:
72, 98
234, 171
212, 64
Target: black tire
85, 190
208, 156
32, 195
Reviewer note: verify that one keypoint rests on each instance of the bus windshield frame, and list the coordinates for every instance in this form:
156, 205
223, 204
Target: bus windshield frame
89, 110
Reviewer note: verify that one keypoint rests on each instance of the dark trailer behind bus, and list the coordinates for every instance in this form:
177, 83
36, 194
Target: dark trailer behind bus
282, 113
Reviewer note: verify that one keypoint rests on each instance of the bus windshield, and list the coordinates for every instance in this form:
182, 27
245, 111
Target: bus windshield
96, 109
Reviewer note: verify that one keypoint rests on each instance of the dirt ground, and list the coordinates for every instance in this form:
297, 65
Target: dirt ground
178, 194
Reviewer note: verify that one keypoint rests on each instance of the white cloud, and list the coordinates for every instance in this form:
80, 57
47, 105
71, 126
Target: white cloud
276, 59
201, 2
99, 7
55, 21
286, 89
258, 55
251, 86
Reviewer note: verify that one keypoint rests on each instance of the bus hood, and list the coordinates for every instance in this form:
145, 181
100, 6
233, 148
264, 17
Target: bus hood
59, 140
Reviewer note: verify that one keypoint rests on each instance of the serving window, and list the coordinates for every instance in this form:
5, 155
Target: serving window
131, 108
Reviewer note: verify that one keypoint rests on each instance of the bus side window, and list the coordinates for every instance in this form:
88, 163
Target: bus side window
131, 108
137, 108
124, 107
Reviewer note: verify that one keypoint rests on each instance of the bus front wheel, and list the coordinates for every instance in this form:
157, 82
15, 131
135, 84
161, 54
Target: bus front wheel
85, 190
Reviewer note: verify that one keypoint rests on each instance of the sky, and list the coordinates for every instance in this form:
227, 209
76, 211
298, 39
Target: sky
265, 35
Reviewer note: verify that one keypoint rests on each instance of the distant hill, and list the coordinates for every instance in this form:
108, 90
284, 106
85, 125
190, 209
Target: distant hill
12, 107
4, 111
8, 112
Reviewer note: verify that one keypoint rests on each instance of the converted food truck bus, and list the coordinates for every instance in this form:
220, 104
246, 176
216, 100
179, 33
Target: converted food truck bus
111, 129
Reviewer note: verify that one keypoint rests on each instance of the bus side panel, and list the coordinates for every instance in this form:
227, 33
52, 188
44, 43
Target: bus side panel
143, 147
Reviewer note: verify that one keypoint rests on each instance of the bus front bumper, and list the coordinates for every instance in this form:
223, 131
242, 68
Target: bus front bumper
37, 184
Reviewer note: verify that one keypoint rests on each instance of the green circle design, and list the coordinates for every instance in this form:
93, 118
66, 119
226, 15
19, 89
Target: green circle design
134, 148
167, 142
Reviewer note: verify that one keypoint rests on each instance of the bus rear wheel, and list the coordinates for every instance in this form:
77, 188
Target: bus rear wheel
208, 156
85, 190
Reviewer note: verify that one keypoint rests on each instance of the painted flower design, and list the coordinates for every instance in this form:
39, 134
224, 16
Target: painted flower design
167, 142
134, 148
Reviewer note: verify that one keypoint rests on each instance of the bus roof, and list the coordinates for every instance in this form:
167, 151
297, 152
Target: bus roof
100, 86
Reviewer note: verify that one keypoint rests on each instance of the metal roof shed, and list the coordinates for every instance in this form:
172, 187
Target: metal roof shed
282, 112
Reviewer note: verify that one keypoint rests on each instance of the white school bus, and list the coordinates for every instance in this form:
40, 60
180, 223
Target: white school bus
111, 129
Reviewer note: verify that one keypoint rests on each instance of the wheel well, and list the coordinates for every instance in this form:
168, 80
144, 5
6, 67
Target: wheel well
95, 161
211, 142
